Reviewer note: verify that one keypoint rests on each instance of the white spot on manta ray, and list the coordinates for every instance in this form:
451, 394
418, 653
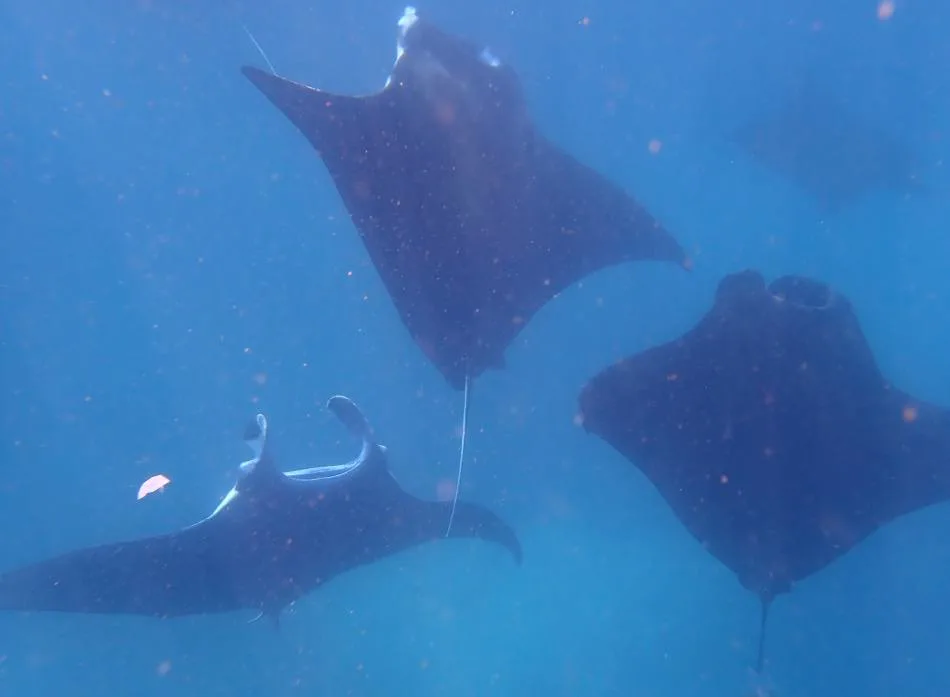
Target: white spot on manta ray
489, 58
407, 21
409, 18
256, 440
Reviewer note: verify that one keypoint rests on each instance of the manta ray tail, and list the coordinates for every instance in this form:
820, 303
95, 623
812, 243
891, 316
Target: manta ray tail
326, 120
763, 619
458, 476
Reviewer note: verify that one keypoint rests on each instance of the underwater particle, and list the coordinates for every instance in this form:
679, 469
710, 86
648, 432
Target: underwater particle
163, 668
885, 10
909, 414
153, 484
445, 490
654, 146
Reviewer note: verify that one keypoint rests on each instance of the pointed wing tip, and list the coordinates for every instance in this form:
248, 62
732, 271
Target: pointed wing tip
260, 78
267, 81
512, 544
517, 553
250, 72
658, 244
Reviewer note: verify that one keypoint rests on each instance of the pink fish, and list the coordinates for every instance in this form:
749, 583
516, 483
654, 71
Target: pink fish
153, 484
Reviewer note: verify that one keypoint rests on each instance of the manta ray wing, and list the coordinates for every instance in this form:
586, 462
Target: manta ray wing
164, 576
815, 141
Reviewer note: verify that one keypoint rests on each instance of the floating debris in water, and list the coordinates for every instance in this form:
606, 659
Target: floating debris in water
153, 484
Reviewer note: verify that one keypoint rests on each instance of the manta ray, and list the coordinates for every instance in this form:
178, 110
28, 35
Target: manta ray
275, 537
472, 217
771, 432
834, 155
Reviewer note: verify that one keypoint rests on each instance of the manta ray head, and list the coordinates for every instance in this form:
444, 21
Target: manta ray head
743, 288
450, 69
803, 293
795, 293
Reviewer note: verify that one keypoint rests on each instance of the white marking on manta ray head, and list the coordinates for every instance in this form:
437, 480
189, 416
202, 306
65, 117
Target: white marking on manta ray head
408, 20
228, 498
255, 442
256, 439
487, 57
405, 23
352, 418
409, 17
327, 473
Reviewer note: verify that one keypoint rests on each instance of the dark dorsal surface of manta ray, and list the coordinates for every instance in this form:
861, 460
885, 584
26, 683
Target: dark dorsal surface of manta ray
472, 218
771, 433
834, 155
274, 538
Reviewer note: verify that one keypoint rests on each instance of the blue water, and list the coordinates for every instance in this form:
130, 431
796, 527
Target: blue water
175, 257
